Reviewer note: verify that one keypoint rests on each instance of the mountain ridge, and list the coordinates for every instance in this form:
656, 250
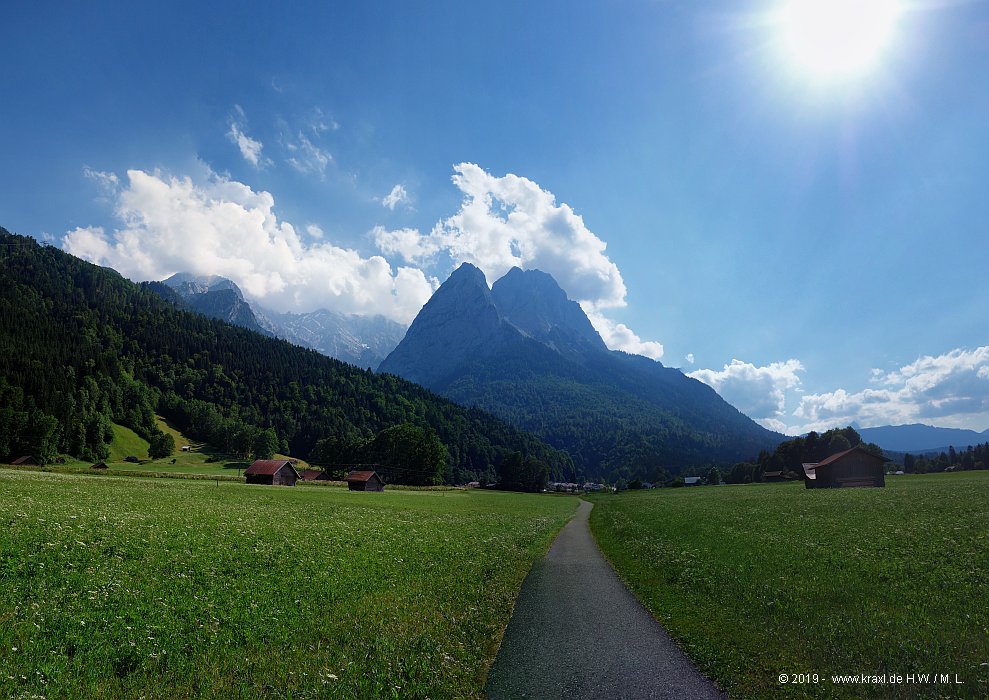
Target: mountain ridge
535, 360
363, 341
919, 437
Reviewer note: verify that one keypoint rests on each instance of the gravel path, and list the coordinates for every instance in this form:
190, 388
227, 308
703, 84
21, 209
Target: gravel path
578, 632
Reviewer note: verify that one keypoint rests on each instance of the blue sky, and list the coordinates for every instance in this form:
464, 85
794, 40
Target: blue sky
814, 247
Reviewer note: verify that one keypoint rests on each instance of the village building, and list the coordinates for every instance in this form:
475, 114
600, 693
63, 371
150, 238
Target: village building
852, 468
26, 461
691, 481
364, 481
314, 475
773, 476
272, 472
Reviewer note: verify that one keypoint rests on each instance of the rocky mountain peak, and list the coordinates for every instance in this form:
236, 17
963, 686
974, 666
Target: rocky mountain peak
533, 302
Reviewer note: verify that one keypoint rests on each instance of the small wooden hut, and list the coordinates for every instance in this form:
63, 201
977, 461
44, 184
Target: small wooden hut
314, 475
364, 481
99, 465
773, 476
25, 461
852, 468
272, 472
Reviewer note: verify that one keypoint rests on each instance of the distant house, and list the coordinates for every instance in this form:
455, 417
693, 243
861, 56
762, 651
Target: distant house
186, 448
99, 465
314, 475
691, 481
272, 472
364, 481
26, 461
473, 484
849, 469
773, 476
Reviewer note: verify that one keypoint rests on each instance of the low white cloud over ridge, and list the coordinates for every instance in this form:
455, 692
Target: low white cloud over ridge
758, 392
220, 226
223, 227
951, 390
511, 221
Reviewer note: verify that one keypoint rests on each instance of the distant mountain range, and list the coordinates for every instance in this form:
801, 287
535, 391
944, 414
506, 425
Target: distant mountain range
528, 354
363, 341
919, 438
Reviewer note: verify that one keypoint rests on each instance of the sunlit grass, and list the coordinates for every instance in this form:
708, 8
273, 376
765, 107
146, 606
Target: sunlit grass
758, 580
121, 587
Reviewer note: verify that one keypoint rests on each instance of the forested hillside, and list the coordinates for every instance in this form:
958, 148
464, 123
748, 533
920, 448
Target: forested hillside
80, 346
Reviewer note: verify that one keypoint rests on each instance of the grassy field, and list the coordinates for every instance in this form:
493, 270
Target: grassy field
114, 587
759, 580
127, 443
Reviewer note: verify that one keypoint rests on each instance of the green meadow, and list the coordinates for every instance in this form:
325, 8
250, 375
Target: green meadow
760, 580
117, 587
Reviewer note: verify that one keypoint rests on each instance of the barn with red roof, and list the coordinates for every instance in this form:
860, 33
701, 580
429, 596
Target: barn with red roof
272, 472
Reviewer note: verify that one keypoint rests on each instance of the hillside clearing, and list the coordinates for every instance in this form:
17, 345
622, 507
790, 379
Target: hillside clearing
759, 580
114, 587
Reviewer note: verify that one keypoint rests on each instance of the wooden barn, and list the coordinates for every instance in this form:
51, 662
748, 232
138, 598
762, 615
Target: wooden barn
364, 481
773, 476
99, 465
849, 469
314, 475
26, 461
272, 472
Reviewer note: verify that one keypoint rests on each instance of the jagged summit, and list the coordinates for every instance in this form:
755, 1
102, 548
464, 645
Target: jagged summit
458, 322
360, 340
533, 302
188, 284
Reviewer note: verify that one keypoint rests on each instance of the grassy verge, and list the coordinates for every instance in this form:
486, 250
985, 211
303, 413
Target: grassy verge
755, 581
116, 588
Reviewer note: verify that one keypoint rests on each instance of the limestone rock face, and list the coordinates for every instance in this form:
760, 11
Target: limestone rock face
458, 324
534, 303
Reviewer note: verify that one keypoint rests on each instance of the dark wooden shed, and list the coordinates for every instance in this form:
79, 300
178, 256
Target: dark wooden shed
25, 461
314, 475
272, 472
852, 468
364, 481
773, 476
99, 465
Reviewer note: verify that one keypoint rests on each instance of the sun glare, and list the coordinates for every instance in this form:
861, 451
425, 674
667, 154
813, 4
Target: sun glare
836, 39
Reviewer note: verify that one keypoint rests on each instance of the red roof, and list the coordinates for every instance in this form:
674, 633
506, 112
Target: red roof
362, 476
269, 467
27, 459
310, 474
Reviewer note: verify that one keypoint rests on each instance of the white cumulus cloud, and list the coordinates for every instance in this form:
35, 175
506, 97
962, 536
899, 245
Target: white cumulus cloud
223, 227
951, 389
758, 392
249, 148
510, 221
397, 196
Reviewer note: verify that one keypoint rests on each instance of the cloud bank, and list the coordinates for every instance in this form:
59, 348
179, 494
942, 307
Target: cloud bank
223, 227
948, 390
758, 392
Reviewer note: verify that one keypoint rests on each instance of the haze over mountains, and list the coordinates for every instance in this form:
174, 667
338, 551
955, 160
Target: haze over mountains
363, 341
528, 354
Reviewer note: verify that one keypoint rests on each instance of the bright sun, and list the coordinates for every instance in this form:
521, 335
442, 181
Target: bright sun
836, 39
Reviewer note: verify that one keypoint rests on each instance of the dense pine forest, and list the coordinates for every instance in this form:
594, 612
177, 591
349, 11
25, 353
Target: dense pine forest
81, 347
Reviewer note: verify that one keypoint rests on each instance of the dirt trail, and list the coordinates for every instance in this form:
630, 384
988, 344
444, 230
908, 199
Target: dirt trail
578, 632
